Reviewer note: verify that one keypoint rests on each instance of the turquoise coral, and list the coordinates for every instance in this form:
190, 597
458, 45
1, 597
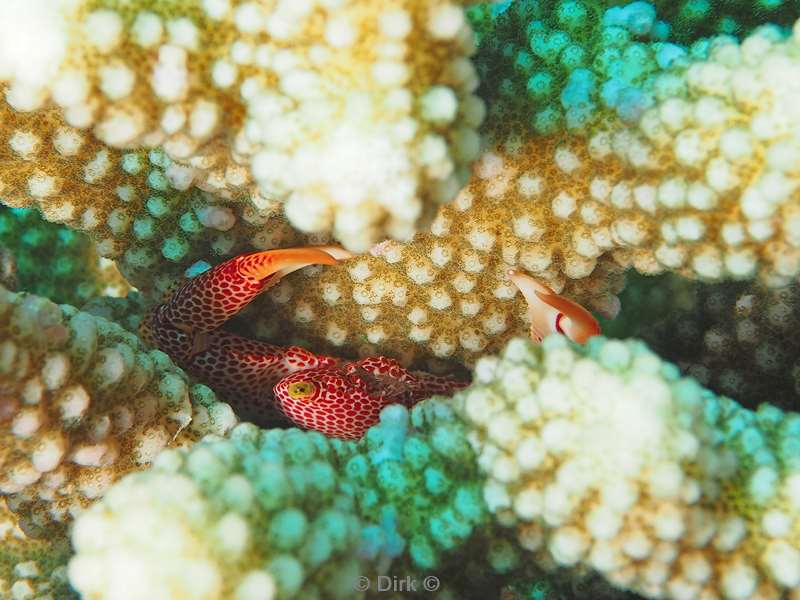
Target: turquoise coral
537, 459
546, 66
75, 275
617, 137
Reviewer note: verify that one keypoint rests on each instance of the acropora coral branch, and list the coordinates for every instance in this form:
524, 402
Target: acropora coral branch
707, 132
359, 116
75, 272
83, 402
703, 183
606, 457
32, 568
736, 338
281, 512
600, 457
666, 172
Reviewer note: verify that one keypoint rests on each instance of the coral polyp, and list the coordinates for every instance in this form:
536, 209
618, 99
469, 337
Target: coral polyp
284, 97
541, 343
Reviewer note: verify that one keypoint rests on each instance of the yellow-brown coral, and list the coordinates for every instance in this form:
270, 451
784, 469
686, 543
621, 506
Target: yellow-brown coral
31, 568
138, 206
359, 115
704, 184
82, 402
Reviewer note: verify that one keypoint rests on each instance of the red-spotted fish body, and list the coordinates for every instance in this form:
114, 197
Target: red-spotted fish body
350, 394
247, 370
344, 401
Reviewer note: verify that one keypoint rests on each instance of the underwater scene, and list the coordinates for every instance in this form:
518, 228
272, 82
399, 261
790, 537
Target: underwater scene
382, 299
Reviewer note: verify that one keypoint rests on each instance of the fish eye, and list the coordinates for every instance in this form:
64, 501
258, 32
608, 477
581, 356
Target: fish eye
301, 390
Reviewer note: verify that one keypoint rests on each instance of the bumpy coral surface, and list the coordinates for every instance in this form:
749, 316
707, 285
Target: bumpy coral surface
83, 402
75, 273
127, 311
703, 182
686, 165
286, 511
607, 458
359, 115
446, 295
707, 128
557, 456
692, 19
737, 338
31, 568
140, 207
258, 514
543, 65
181, 133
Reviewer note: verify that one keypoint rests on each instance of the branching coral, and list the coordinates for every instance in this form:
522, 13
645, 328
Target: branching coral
29, 568
701, 183
75, 272
359, 115
139, 207
737, 338
607, 147
259, 513
693, 19
286, 510
446, 295
707, 127
420, 481
704, 183
605, 457
599, 457
82, 403
543, 65
127, 311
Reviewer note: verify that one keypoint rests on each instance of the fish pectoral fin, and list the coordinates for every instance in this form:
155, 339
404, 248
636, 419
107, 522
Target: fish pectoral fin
585, 325
201, 342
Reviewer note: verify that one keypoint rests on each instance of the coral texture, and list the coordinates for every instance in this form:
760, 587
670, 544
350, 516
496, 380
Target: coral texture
139, 207
703, 183
83, 402
358, 115
32, 568
557, 456
683, 162
736, 338
606, 457
75, 273
692, 19
180, 133
286, 510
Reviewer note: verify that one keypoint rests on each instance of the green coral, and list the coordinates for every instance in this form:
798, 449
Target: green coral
31, 568
74, 273
419, 482
127, 311
258, 512
600, 457
550, 66
736, 338
693, 19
